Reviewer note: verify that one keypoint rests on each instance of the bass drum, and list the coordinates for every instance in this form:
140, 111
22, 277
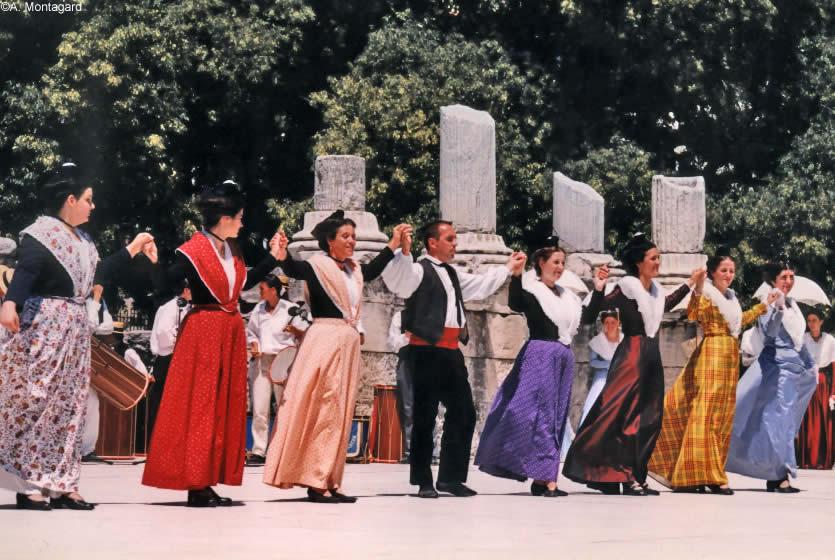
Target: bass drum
280, 368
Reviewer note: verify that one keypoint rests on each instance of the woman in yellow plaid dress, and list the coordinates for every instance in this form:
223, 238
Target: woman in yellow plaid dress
699, 410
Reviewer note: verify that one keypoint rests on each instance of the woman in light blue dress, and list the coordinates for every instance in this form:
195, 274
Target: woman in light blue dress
601, 349
773, 394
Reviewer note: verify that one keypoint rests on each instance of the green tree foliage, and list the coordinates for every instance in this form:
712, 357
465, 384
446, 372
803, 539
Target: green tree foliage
155, 99
621, 173
387, 110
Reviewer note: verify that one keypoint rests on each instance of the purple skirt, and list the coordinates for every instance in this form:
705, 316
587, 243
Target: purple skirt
523, 432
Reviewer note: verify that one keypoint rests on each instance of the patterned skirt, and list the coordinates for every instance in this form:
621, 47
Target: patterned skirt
698, 416
616, 439
310, 439
524, 431
44, 379
199, 435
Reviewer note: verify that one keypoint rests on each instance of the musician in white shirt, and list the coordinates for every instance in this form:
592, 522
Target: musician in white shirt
102, 324
163, 338
271, 329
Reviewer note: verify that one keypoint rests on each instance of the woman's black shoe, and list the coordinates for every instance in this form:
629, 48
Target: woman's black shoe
24, 502
649, 491
318, 498
689, 490
633, 489
538, 489
343, 499
555, 493
775, 486
201, 499
65, 502
608, 488
221, 501
716, 489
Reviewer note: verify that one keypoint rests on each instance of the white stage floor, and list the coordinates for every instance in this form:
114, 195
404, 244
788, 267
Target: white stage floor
133, 521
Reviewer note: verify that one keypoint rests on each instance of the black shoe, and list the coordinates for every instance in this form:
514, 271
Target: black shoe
608, 488
25, 502
220, 500
649, 491
92, 458
699, 489
201, 499
775, 486
65, 502
318, 498
343, 499
633, 489
256, 461
538, 489
456, 489
427, 491
717, 489
555, 493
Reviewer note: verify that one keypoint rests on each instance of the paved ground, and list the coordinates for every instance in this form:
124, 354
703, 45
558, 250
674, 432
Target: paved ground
502, 522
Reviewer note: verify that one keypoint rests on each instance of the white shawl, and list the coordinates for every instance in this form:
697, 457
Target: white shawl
650, 303
563, 310
822, 350
728, 307
604, 347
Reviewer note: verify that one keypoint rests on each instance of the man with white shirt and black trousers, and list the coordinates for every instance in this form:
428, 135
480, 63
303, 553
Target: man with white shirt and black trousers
163, 338
271, 328
435, 293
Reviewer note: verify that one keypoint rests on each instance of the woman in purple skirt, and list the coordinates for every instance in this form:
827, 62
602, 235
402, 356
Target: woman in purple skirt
523, 432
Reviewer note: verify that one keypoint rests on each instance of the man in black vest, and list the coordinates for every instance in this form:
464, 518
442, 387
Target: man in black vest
435, 293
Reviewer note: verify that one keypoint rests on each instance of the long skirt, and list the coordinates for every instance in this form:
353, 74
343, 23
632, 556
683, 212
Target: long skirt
771, 399
309, 443
598, 381
44, 379
524, 430
199, 435
815, 439
698, 416
615, 441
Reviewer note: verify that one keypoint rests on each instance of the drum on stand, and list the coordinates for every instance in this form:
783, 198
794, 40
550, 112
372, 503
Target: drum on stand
116, 380
385, 438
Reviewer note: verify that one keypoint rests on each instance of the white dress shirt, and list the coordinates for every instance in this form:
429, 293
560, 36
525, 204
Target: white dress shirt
403, 276
103, 327
166, 322
396, 338
267, 327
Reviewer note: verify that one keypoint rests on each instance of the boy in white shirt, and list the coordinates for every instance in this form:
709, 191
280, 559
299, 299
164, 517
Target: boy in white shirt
271, 329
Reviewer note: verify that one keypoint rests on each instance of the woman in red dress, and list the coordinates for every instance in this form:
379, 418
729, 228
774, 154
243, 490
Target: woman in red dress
814, 446
200, 433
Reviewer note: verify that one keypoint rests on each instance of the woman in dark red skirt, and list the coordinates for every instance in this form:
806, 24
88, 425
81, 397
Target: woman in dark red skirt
200, 433
616, 439
815, 440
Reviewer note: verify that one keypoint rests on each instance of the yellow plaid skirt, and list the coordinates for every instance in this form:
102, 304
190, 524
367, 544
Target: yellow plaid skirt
698, 417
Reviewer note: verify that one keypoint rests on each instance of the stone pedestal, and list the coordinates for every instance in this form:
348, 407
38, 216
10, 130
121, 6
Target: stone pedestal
468, 185
678, 226
340, 184
8, 249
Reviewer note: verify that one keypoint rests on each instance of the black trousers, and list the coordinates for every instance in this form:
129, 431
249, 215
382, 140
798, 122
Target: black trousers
161, 364
405, 395
440, 376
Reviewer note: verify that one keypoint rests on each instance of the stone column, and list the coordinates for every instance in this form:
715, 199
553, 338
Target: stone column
340, 184
468, 184
578, 220
678, 226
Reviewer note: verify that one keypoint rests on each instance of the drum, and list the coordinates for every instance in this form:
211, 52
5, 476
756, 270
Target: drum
280, 368
115, 379
358, 441
386, 438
